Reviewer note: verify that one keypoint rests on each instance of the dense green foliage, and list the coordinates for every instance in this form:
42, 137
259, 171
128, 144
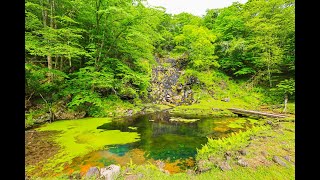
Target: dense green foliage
97, 54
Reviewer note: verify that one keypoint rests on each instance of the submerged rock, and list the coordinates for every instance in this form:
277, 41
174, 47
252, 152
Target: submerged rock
277, 160
93, 172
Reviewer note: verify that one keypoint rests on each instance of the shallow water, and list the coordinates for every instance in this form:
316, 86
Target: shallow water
173, 140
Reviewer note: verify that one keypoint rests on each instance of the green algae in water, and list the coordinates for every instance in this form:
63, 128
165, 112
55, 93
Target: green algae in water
179, 119
79, 137
238, 123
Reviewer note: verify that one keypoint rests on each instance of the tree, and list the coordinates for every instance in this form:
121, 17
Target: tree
285, 89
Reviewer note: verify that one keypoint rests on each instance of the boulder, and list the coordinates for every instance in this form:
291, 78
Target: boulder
110, 172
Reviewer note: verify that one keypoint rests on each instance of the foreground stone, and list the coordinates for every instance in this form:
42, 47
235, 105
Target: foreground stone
277, 160
110, 172
224, 166
242, 163
93, 172
204, 165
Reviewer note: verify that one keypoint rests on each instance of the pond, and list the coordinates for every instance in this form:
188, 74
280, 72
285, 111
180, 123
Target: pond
173, 140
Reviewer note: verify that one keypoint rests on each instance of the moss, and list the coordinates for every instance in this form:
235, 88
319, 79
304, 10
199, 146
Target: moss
79, 137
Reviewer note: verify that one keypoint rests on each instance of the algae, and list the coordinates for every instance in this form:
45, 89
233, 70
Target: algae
79, 137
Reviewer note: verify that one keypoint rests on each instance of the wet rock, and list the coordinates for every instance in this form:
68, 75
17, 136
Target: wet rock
93, 172
243, 152
277, 160
242, 163
224, 166
110, 172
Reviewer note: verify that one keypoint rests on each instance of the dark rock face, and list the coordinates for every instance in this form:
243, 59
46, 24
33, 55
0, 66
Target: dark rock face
93, 172
278, 160
165, 88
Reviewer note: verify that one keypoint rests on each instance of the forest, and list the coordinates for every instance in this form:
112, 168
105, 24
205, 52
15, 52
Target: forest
119, 58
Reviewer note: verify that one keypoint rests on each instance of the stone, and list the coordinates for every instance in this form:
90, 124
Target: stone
224, 166
227, 155
110, 172
243, 152
93, 172
270, 123
129, 112
242, 163
203, 165
160, 164
287, 158
264, 153
226, 99
277, 160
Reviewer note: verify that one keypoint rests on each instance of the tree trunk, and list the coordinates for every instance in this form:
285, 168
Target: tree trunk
269, 75
61, 63
44, 14
49, 58
285, 102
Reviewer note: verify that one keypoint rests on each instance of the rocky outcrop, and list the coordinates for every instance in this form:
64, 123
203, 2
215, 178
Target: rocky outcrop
165, 87
61, 111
